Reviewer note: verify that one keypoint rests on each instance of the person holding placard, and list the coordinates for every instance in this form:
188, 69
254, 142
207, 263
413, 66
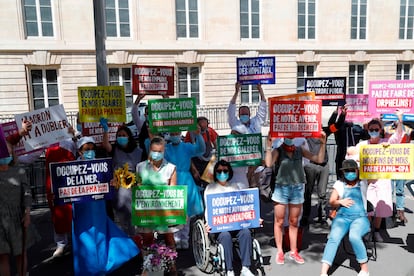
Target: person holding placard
289, 189
99, 246
253, 124
125, 155
223, 173
380, 191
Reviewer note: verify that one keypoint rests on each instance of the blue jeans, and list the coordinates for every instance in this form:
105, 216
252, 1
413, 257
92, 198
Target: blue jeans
341, 225
398, 189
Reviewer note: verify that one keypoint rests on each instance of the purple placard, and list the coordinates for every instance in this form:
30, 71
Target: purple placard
388, 96
4, 152
357, 108
256, 70
82, 180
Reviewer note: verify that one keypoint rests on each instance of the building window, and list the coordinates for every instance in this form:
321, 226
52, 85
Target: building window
38, 18
306, 19
304, 71
406, 19
403, 71
45, 89
189, 83
122, 77
249, 94
186, 16
249, 19
117, 18
356, 79
359, 19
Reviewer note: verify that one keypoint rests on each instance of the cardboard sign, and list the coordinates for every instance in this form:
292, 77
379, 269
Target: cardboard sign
256, 70
152, 80
391, 162
295, 118
155, 206
49, 126
95, 131
172, 115
233, 210
388, 96
241, 150
101, 101
357, 108
330, 90
82, 180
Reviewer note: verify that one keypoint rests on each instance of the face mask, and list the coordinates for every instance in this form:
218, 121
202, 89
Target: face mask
122, 141
175, 139
6, 160
288, 142
79, 127
244, 118
156, 155
222, 176
89, 155
373, 134
350, 176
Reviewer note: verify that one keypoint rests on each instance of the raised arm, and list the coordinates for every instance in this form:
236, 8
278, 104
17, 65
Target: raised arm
320, 156
231, 110
271, 155
105, 141
134, 112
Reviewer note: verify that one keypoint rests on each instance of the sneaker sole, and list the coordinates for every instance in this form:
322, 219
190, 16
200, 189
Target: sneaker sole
293, 259
280, 263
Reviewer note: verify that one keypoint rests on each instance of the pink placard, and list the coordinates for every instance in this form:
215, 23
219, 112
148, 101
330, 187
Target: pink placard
357, 108
388, 96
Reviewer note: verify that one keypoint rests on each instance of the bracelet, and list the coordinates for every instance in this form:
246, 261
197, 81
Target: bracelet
269, 148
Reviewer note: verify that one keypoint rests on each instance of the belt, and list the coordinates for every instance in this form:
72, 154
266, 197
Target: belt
320, 164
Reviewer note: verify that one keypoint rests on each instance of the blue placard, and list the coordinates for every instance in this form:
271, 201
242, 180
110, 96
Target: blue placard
330, 90
233, 210
256, 70
81, 181
394, 117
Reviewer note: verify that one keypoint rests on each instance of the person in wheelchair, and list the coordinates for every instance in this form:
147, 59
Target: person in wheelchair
349, 196
223, 173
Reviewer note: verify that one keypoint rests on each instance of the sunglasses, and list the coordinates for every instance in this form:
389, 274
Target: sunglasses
374, 129
221, 171
350, 170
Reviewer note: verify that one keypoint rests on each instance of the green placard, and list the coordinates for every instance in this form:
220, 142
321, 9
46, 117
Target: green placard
241, 150
159, 206
172, 115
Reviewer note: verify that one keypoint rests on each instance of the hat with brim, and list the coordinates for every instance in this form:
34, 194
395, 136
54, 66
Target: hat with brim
84, 140
349, 164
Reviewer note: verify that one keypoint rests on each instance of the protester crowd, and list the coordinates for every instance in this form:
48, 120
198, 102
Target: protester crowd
103, 236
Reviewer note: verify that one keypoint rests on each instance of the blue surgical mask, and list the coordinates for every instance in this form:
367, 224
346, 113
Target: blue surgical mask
122, 141
89, 155
6, 160
244, 118
175, 139
79, 127
156, 155
350, 176
373, 134
288, 141
222, 176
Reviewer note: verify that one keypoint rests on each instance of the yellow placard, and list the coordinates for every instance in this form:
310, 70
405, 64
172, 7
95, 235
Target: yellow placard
101, 101
394, 161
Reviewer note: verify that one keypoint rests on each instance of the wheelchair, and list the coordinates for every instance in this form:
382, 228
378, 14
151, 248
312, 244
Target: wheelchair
209, 254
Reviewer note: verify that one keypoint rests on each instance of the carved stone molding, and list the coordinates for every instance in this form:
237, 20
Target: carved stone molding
190, 57
359, 56
42, 58
121, 57
308, 57
407, 55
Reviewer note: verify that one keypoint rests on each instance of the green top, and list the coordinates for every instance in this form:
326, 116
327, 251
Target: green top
291, 169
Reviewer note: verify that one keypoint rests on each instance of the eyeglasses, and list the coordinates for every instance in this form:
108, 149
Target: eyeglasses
221, 171
374, 129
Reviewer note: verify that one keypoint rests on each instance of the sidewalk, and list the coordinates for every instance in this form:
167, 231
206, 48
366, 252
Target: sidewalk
395, 255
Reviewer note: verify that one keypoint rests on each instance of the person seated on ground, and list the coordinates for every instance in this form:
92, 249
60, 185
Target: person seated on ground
350, 196
223, 173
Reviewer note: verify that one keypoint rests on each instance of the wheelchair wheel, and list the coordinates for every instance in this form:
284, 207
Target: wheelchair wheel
258, 258
201, 247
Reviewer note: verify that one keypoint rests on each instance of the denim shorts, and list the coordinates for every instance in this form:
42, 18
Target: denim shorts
289, 194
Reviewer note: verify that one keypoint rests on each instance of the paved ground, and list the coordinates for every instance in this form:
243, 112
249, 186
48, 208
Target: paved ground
395, 255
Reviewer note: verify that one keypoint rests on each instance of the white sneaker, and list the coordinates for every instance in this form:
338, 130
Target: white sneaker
246, 272
230, 273
378, 237
363, 273
58, 252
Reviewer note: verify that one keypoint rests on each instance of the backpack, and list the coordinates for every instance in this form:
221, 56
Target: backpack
267, 179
